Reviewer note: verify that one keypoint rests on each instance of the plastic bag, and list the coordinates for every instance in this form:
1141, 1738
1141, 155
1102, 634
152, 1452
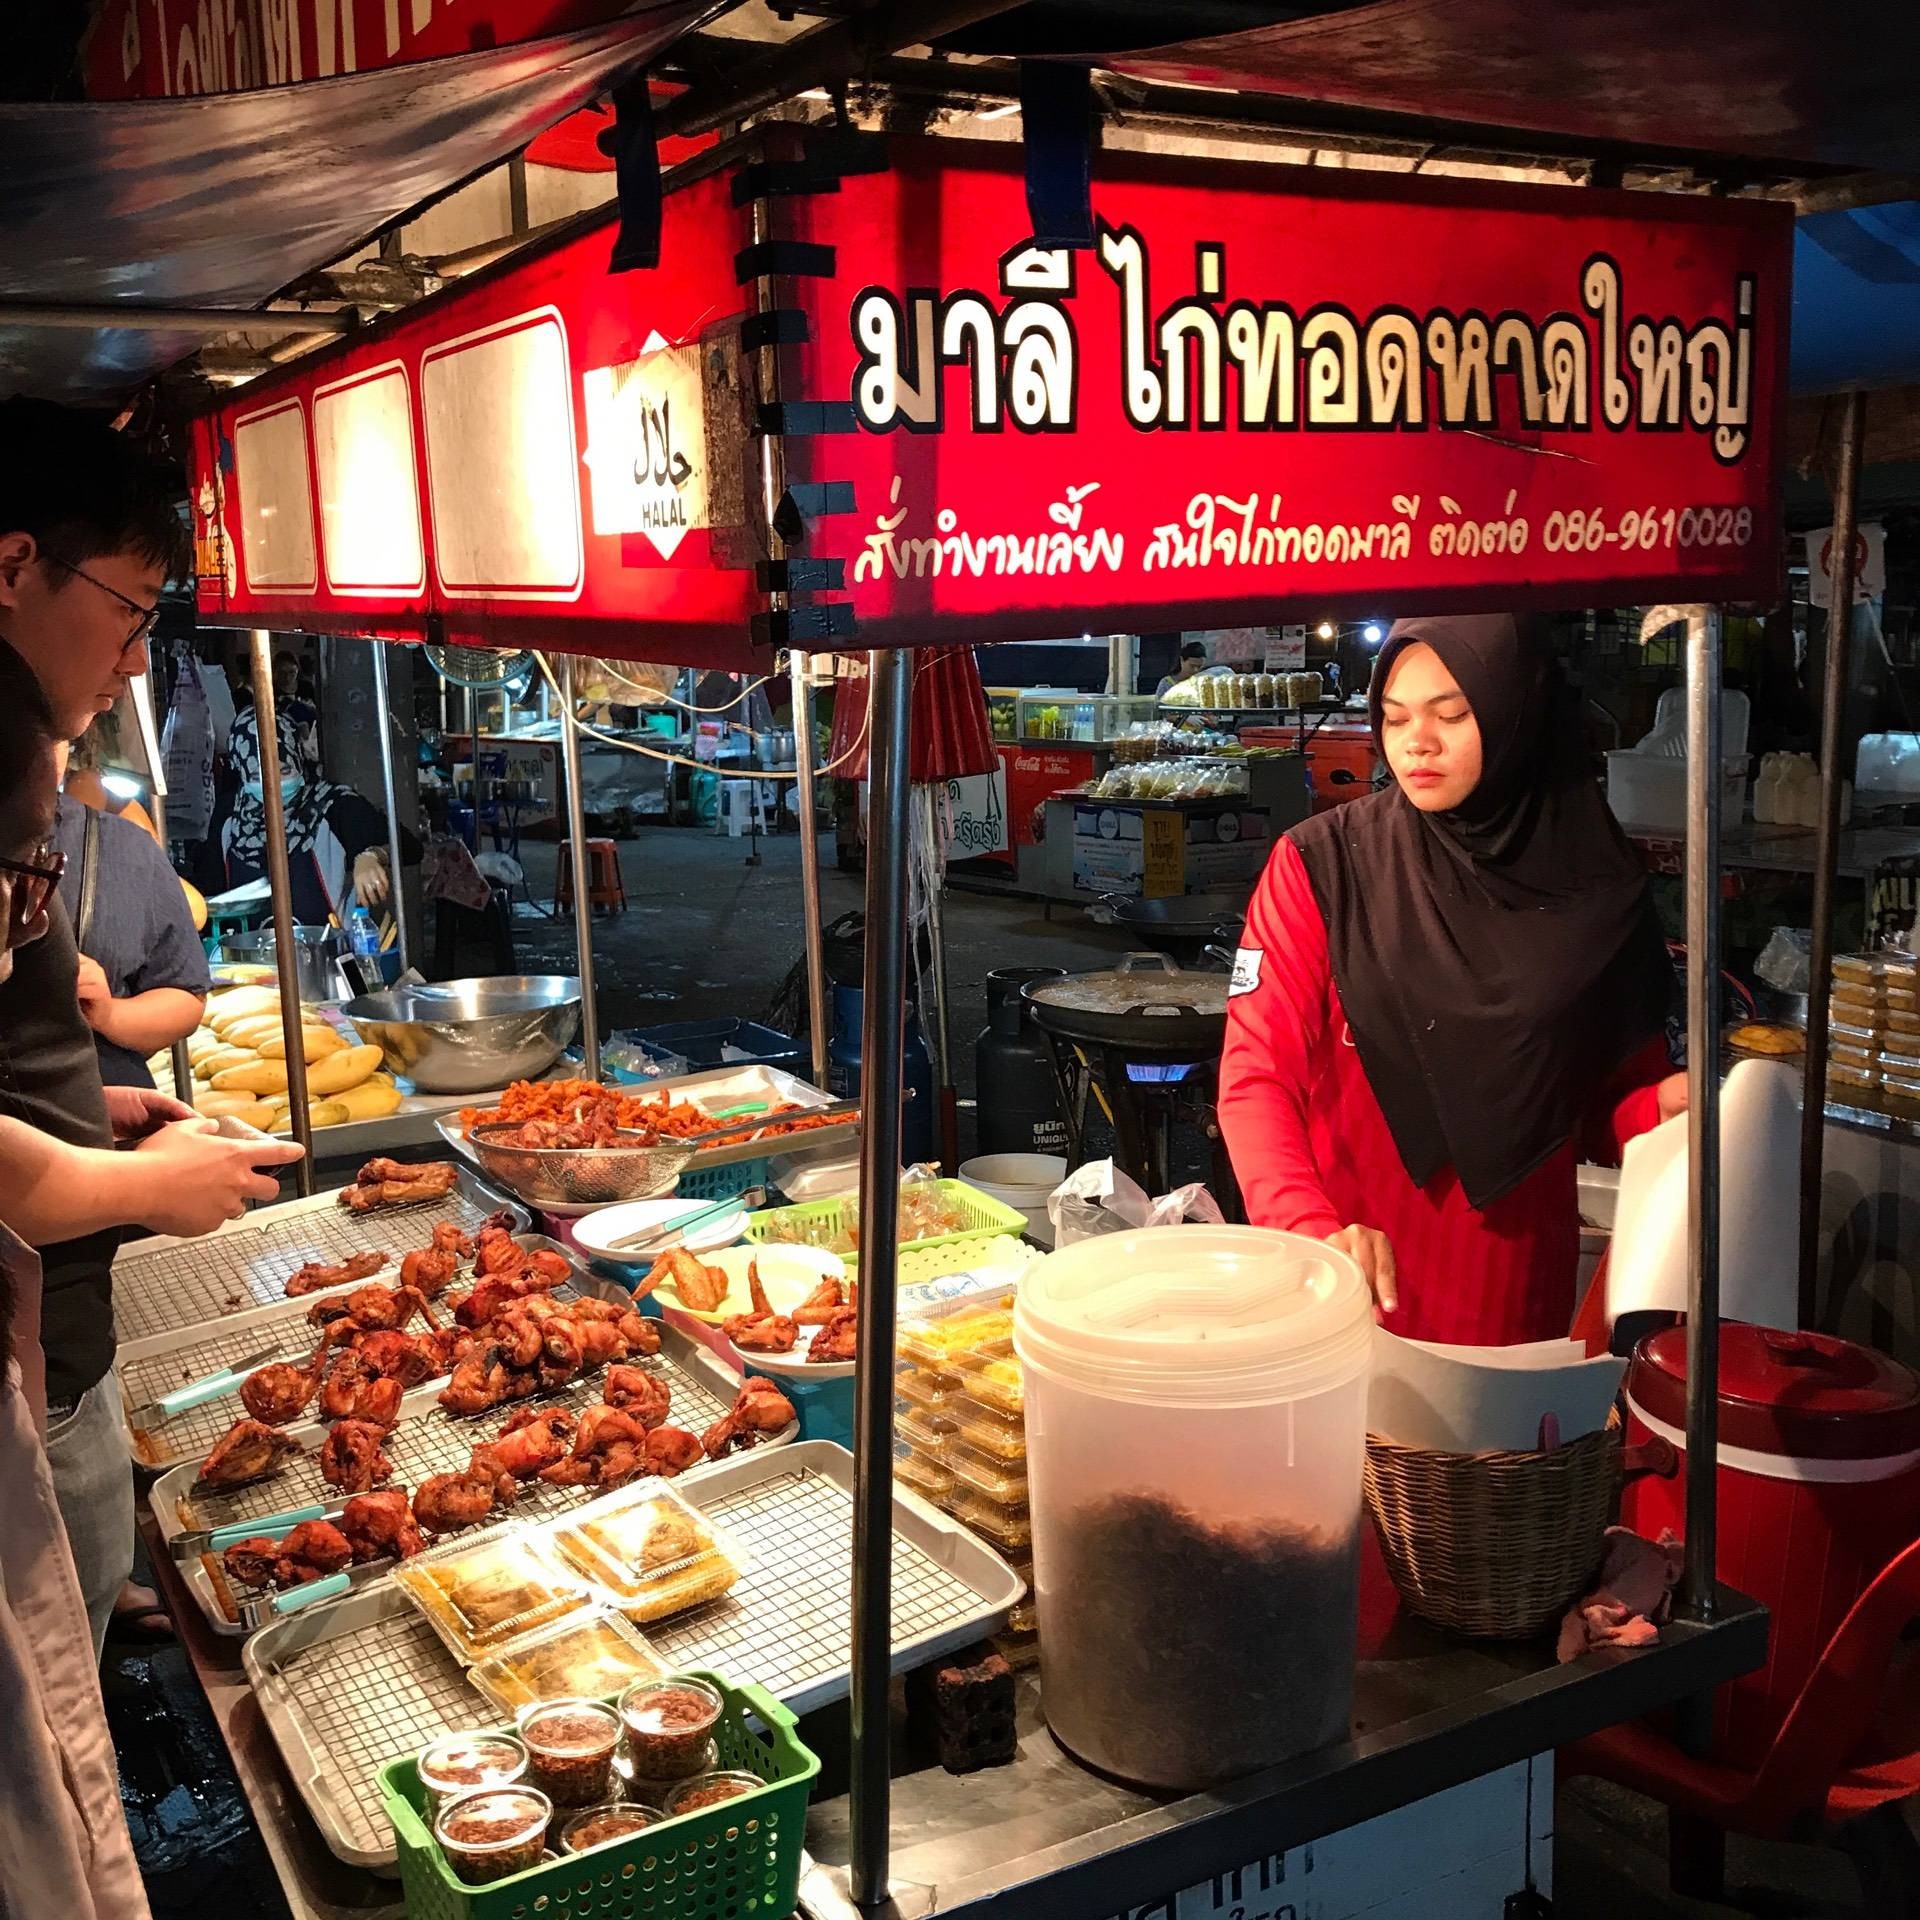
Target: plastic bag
186, 745
1098, 1198
1786, 962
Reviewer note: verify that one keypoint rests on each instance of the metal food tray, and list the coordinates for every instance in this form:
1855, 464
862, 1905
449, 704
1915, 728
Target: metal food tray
163, 1285
428, 1440
722, 1086
147, 1369
356, 1682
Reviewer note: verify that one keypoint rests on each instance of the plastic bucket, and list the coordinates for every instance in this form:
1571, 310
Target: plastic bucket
1024, 1181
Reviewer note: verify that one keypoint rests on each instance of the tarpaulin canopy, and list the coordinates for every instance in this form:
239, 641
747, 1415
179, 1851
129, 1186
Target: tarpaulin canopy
221, 201
1856, 298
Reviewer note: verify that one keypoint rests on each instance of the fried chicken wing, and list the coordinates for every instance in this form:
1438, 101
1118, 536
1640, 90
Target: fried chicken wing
493, 1293
759, 1409
450, 1237
317, 1275
821, 1304
380, 1526
496, 1251
392, 1183
534, 1438
604, 1432
311, 1551
838, 1338
278, 1393
446, 1502
636, 1391
353, 1457
762, 1330
248, 1450
701, 1288
479, 1382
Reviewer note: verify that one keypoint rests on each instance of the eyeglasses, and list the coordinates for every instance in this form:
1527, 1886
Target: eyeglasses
34, 882
144, 617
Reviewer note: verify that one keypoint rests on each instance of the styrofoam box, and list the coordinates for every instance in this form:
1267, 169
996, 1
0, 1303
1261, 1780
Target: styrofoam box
1647, 790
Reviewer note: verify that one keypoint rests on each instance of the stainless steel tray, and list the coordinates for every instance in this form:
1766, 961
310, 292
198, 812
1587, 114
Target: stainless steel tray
356, 1682
720, 1087
162, 1285
428, 1440
156, 1365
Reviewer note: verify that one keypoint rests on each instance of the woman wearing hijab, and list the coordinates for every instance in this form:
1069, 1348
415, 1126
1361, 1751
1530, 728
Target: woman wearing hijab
1442, 988
336, 841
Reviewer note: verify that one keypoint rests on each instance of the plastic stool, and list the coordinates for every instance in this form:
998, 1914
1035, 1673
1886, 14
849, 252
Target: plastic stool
605, 888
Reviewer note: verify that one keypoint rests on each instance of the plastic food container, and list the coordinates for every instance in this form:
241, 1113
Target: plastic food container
922, 1387
925, 1436
656, 1554
998, 1386
1009, 1528
617, 1820
459, 1763
570, 1747
988, 1431
670, 1727
585, 1659
494, 1833
487, 1589
1196, 1427
710, 1789
992, 1479
926, 1477
947, 1340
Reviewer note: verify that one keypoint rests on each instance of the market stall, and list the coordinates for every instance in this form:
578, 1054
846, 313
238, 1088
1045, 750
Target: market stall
835, 471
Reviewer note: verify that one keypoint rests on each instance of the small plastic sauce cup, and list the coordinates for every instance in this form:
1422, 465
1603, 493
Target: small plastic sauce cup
616, 1820
710, 1789
570, 1746
494, 1833
458, 1763
670, 1727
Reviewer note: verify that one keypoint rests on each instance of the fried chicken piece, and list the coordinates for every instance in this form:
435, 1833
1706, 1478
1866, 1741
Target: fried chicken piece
355, 1391
446, 1502
353, 1457
821, 1304
380, 1526
374, 1309
640, 1331
496, 1251
278, 1392
391, 1183
762, 1330
316, 1276
759, 1409
427, 1270
636, 1391
701, 1288
498, 1291
248, 1450
534, 1438
313, 1550
670, 1451
450, 1237
520, 1337
603, 1429
838, 1339
449, 1346
406, 1357
480, 1382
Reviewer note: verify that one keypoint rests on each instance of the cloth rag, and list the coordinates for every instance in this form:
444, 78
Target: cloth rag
1630, 1598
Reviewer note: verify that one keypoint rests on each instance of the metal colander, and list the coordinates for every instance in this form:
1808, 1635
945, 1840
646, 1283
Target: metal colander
578, 1176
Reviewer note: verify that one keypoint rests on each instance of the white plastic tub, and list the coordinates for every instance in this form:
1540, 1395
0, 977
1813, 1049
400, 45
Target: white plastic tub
1195, 1412
1025, 1181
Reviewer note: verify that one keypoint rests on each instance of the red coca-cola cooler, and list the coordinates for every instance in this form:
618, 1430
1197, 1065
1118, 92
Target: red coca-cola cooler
1819, 1488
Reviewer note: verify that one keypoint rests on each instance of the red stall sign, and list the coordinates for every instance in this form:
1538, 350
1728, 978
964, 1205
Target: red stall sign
1268, 390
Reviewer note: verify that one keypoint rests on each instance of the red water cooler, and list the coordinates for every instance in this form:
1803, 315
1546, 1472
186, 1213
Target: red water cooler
1819, 1489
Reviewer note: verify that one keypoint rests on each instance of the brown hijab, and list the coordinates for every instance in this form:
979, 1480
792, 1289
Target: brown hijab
1498, 961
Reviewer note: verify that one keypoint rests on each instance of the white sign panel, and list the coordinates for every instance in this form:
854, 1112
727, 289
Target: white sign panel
369, 492
1869, 564
276, 499
977, 814
647, 445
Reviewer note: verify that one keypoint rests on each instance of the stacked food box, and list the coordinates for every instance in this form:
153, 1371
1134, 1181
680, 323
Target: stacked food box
1873, 1055
961, 1435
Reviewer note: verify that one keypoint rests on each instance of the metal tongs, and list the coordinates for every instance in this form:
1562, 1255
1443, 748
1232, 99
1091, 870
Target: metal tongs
257, 1612
743, 1129
196, 1393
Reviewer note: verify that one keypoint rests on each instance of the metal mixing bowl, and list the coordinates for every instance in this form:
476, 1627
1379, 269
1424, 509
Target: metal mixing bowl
469, 1036
577, 1176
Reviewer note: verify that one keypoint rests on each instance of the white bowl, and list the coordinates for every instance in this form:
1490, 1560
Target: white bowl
597, 1232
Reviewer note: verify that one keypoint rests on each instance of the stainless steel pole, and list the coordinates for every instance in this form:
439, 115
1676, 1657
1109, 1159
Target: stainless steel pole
177, 1060
817, 1016
882, 1068
1826, 848
1697, 1598
384, 720
286, 956
582, 872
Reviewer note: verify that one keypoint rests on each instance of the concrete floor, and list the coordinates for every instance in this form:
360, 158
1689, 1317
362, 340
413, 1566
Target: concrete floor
705, 934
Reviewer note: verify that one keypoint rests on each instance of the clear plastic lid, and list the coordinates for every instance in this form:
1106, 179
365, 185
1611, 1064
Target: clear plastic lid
494, 1821
490, 1588
597, 1826
1008, 1528
457, 1763
1186, 1315
712, 1790
589, 1657
924, 1436
1003, 1436
998, 1384
650, 1549
926, 1477
1005, 1485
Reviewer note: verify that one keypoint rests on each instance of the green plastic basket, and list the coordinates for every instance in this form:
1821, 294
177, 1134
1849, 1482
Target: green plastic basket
737, 1861
985, 1218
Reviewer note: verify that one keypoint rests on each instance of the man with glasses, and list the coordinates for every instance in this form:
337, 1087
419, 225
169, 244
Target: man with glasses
89, 533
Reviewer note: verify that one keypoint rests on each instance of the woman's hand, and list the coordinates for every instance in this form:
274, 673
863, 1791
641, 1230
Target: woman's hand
370, 879
1374, 1253
96, 995
1672, 1093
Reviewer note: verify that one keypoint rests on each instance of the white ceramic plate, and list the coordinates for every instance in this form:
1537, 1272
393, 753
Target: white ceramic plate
788, 1275
604, 1225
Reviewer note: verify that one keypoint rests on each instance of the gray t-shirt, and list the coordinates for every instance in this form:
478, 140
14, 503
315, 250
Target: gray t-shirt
142, 934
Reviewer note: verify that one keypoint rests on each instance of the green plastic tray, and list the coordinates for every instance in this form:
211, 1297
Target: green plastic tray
737, 1861
985, 1218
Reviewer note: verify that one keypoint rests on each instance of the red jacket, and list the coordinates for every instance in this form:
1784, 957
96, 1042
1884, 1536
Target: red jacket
1313, 1154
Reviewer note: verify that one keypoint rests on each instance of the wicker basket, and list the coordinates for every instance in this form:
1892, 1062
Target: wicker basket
1495, 1545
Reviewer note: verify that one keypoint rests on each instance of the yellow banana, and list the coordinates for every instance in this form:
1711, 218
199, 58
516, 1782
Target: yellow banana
258, 1076
315, 1044
339, 1071
368, 1101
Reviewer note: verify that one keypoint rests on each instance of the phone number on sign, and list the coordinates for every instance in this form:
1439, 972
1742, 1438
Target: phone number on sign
1590, 531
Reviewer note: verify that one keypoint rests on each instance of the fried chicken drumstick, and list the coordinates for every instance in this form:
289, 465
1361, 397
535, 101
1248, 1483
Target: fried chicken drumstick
248, 1450
380, 1526
311, 1551
316, 1276
353, 1457
392, 1183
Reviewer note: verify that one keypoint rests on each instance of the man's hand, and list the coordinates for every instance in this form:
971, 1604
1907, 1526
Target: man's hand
136, 1111
369, 879
96, 995
1672, 1092
1372, 1250
199, 1179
